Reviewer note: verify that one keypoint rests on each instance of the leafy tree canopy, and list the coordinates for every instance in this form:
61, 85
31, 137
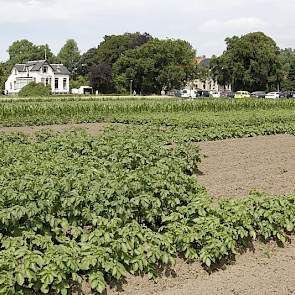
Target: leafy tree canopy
22, 51
250, 62
114, 46
287, 59
87, 60
79, 81
157, 65
69, 55
100, 77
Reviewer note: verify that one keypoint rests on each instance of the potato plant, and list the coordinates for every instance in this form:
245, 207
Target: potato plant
76, 208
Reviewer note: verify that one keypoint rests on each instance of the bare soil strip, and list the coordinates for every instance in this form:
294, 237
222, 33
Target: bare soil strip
267, 270
92, 128
234, 167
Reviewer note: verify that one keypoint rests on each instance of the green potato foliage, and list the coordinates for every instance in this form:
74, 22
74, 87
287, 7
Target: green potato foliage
76, 208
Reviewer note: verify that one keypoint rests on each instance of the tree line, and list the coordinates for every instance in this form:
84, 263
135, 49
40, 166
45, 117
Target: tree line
250, 62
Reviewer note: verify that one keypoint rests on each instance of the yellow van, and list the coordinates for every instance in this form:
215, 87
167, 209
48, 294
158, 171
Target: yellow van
242, 94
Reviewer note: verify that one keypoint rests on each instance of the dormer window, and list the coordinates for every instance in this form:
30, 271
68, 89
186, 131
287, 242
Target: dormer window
45, 69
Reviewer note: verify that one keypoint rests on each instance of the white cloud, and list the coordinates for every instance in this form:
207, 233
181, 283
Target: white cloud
203, 23
237, 25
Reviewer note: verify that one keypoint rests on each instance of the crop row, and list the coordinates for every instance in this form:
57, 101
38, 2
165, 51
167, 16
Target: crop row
95, 110
49, 113
76, 208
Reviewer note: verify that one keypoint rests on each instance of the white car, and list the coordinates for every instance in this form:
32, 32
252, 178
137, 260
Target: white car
273, 95
215, 94
185, 93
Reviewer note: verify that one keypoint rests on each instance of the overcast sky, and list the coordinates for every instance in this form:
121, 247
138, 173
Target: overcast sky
204, 23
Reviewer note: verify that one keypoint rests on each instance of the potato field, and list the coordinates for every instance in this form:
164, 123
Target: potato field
80, 208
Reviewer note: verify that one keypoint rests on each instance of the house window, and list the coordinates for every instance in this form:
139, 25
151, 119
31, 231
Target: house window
10, 86
47, 81
15, 71
65, 83
56, 83
45, 69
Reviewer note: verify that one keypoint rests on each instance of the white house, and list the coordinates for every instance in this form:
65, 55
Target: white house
40, 71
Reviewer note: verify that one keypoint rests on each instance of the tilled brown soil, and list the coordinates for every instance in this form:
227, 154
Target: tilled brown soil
92, 128
234, 167
266, 270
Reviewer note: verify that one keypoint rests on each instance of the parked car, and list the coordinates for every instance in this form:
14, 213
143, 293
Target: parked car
215, 94
272, 95
258, 94
227, 93
287, 94
284, 94
242, 94
174, 92
185, 93
194, 93
203, 93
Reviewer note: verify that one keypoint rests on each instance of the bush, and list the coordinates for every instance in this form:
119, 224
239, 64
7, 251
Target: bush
35, 89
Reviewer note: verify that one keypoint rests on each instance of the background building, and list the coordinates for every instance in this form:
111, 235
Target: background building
208, 84
55, 75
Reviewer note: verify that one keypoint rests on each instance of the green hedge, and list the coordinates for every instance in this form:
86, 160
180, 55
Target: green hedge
35, 89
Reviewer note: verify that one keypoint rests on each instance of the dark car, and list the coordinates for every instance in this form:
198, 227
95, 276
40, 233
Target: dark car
203, 93
174, 92
287, 94
229, 94
258, 94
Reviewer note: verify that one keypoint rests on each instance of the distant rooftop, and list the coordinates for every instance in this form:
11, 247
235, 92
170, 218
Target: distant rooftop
37, 64
203, 60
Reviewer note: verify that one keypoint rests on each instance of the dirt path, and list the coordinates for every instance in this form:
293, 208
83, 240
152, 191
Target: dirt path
236, 166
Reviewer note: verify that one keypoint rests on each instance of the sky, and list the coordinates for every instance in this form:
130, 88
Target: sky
203, 23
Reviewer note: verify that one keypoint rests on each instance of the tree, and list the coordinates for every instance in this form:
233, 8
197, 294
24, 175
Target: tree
22, 51
69, 55
250, 62
156, 65
87, 60
114, 46
103, 58
100, 77
79, 81
43, 50
290, 83
3, 77
287, 60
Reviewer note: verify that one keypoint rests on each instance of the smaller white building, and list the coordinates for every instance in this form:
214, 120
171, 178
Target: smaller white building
40, 71
83, 90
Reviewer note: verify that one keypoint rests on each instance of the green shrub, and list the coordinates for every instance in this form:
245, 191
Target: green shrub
35, 89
